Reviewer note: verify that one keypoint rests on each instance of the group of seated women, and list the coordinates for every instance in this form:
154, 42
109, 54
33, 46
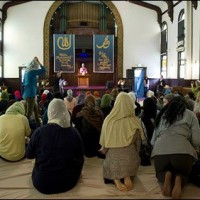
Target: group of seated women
59, 146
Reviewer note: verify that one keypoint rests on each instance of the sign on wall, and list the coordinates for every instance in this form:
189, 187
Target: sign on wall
103, 55
64, 53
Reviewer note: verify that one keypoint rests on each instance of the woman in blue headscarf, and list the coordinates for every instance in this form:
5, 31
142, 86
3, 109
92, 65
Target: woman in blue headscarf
33, 69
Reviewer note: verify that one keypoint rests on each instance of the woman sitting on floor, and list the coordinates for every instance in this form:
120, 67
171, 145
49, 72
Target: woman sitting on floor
58, 151
91, 119
120, 139
174, 140
14, 129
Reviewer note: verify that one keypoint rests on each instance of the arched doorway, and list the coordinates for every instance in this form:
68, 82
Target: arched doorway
85, 31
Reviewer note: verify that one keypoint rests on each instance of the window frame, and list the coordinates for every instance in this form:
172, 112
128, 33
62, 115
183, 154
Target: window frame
181, 45
163, 49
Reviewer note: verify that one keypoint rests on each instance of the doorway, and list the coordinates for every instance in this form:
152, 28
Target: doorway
138, 78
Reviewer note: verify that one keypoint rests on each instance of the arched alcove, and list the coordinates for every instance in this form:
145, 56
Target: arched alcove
119, 52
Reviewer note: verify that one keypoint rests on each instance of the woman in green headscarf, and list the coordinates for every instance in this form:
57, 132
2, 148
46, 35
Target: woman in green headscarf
14, 128
4, 102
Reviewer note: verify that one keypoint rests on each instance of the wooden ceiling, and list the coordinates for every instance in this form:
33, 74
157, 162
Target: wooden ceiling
160, 7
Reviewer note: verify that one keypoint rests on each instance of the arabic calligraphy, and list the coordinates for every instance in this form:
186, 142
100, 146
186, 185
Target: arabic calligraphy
104, 63
105, 45
64, 43
65, 60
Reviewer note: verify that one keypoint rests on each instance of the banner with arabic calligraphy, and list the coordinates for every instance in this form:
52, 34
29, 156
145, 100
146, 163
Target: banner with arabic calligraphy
103, 46
64, 53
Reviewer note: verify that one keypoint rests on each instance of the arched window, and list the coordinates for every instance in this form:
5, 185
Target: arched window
181, 44
164, 49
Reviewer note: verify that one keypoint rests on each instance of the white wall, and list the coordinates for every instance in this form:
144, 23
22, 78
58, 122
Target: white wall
196, 44
172, 40
141, 37
23, 37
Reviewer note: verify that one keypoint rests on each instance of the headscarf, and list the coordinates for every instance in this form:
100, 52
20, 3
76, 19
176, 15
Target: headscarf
58, 113
150, 93
33, 65
92, 114
46, 92
168, 97
198, 97
96, 94
114, 93
69, 95
16, 108
88, 93
43, 97
121, 124
105, 101
4, 96
17, 94
81, 99
133, 97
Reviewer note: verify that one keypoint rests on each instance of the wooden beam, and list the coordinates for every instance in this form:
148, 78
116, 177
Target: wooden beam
170, 10
152, 7
8, 5
195, 4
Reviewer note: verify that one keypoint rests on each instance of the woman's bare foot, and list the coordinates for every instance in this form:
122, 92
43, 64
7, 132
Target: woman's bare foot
129, 183
120, 185
177, 190
167, 184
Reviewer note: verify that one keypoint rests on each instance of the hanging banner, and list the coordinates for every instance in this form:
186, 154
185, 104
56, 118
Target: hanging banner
64, 53
103, 56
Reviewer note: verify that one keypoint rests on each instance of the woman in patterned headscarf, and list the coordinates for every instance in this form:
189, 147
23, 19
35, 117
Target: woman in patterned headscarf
92, 120
121, 136
58, 150
14, 128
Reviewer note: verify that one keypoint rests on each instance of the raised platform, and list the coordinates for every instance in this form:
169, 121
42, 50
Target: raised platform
85, 87
100, 89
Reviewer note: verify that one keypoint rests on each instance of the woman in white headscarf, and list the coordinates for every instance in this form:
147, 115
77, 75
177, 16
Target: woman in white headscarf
58, 151
121, 136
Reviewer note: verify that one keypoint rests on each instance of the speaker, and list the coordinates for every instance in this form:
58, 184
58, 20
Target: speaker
109, 84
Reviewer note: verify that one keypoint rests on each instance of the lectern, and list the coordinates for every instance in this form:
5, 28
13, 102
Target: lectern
83, 80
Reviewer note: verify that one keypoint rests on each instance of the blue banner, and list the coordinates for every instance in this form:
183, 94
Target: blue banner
103, 46
64, 53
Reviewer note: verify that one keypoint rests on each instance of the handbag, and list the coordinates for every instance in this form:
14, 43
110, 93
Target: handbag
145, 151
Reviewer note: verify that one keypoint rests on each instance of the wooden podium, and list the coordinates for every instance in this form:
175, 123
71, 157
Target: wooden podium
83, 80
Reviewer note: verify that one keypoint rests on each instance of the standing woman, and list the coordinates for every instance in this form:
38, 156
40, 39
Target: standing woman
176, 135
146, 85
161, 85
33, 69
120, 139
58, 151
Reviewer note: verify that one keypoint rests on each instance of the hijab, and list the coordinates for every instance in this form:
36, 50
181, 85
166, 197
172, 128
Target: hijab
92, 114
33, 65
81, 99
105, 101
121, 124
16, 108
133, 97
4, 96
58, 113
